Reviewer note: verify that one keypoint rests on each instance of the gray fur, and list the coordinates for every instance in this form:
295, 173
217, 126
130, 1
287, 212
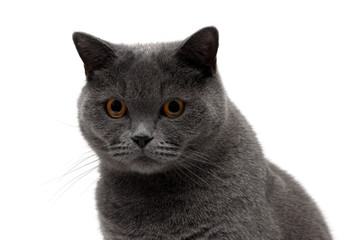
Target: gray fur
203, 176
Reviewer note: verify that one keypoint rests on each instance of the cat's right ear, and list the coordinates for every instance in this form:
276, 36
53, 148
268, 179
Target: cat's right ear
199, 50
94, 52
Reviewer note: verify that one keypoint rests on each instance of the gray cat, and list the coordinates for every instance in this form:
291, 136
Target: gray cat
177, 158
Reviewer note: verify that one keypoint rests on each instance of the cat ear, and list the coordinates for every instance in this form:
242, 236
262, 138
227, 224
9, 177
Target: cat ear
199, 50
94, 52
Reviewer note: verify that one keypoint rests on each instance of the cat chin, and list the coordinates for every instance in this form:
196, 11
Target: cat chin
145, 165
141, 164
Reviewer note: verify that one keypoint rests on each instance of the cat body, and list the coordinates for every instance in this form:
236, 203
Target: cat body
181, 161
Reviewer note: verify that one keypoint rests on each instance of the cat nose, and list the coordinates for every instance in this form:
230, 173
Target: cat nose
141, 140
141, 134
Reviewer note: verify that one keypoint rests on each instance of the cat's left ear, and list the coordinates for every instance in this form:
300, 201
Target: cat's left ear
199, 50
94, 52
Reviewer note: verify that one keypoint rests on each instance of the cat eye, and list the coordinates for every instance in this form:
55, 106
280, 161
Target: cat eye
173, 108
116, 108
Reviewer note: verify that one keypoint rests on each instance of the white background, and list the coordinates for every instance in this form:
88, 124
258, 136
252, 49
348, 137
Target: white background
292, 67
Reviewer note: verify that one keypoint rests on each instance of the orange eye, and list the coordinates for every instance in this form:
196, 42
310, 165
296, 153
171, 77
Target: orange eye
173, 108
116, 108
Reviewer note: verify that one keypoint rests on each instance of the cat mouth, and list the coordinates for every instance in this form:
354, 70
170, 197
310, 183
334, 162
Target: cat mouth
142, 160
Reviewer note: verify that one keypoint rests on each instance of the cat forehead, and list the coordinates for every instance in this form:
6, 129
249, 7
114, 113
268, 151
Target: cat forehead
140, 74
145, 61
144, 71
149, 49
143, 68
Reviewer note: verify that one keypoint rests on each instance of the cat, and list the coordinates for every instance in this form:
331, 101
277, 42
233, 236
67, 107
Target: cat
177, 158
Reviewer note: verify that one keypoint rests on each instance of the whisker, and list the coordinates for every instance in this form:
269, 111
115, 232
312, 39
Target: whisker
201, 158
164, 153
81, 160
86, 189
196, 183
119, 147
81, 157
211, 187
118, 154
208, 172
167, 148
172, 143
72, 169
200, 154
82, 166
174, 170
187, 169
69, 184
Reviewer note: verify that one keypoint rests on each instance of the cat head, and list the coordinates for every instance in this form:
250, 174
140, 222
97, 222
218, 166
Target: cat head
148, 108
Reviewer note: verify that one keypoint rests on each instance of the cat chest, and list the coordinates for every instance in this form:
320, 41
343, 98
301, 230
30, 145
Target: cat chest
172, 216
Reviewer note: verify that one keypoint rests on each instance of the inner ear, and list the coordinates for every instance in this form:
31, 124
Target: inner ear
94, 52
199, 50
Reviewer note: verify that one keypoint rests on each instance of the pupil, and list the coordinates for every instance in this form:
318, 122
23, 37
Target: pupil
116, 106
174, 106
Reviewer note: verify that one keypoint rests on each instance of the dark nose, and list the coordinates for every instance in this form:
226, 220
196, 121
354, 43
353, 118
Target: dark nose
141, 140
